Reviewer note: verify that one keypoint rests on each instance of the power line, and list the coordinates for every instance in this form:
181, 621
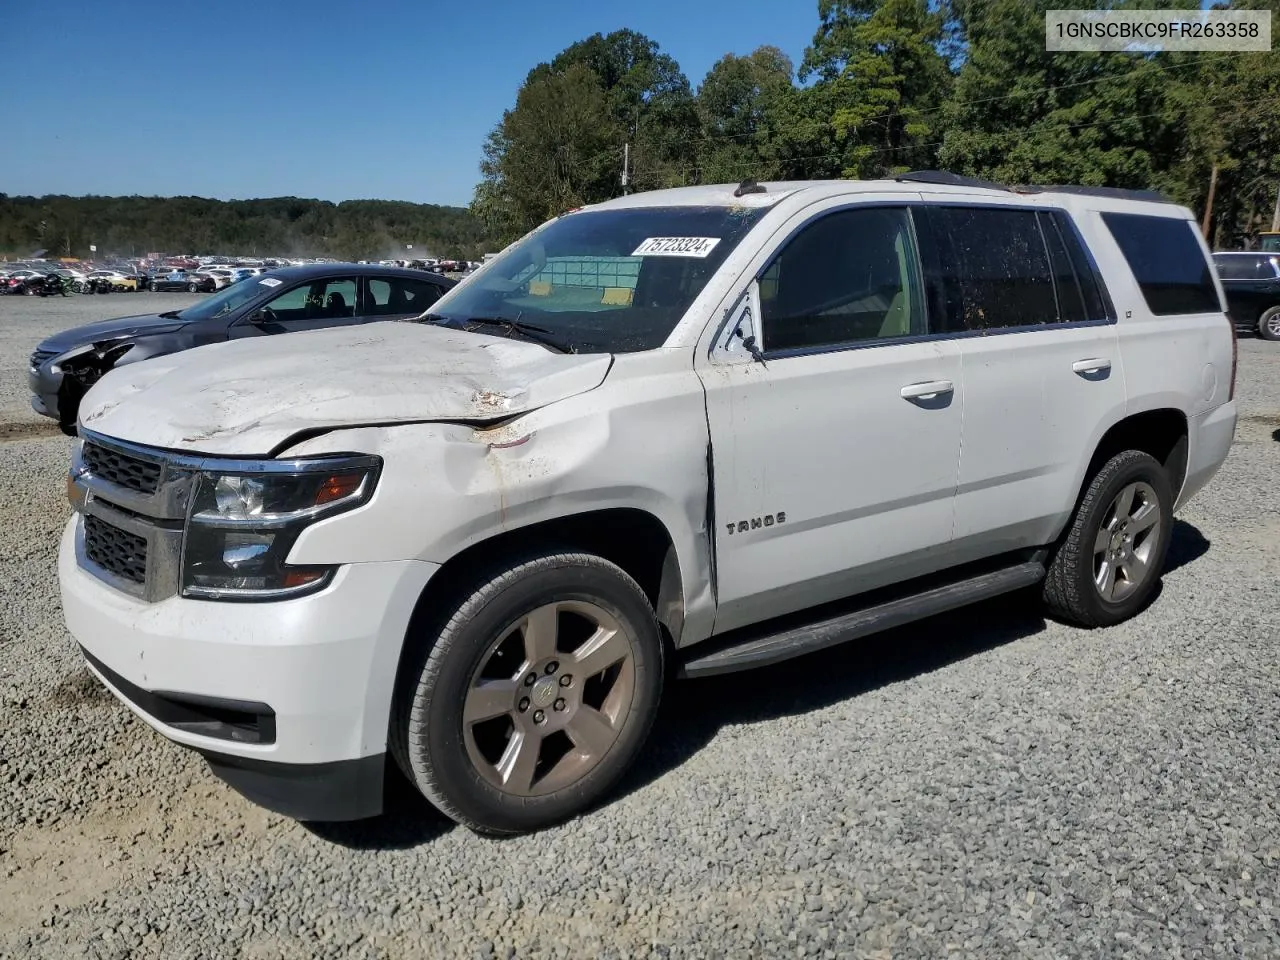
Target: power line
748, 165
1005, 96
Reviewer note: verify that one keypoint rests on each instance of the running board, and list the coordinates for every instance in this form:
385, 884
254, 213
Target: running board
796, 641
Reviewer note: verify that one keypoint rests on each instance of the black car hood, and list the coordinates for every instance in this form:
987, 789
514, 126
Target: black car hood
147, 323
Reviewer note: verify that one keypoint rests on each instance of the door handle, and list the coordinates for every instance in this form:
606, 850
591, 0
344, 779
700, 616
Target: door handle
1095, 365
927, 389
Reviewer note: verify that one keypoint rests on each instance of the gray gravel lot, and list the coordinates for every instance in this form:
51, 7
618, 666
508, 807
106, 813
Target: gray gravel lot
985, 784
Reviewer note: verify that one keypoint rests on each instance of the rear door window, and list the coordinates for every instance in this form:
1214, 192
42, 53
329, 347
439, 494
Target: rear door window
1165, 256
400, 296
991, 269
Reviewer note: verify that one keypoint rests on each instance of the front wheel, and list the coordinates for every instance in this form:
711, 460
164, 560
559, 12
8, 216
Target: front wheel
193, 288
1109, 562
534, 697
1269, 324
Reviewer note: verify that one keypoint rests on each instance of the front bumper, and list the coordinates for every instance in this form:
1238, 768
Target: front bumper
289, 701
45, 387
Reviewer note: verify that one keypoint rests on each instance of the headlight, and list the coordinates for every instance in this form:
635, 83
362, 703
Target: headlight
243, 523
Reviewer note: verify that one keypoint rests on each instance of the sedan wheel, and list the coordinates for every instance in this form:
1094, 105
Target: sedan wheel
193, 288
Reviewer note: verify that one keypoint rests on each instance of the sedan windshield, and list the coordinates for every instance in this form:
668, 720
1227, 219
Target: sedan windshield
612, 281
220, 304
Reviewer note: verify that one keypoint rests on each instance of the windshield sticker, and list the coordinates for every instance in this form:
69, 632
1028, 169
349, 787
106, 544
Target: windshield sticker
676, 247
270, 282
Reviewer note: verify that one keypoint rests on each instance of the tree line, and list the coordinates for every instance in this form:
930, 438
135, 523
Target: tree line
888, 86
284, 226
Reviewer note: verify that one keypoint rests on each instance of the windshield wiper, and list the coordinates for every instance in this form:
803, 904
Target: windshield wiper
530, 331
170, 315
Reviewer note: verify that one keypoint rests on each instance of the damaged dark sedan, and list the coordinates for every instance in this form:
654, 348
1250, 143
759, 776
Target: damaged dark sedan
66, 365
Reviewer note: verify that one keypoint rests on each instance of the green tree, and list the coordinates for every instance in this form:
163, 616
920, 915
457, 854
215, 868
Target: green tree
739, 103
882, 74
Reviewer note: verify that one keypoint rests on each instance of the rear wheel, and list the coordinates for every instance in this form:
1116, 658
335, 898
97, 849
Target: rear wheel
534, 697
1269, 324
193, 288
1109, 562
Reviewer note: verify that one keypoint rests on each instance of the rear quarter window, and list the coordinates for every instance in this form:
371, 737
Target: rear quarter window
1166, 259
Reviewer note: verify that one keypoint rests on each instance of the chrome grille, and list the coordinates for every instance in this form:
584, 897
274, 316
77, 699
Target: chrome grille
117, 551
41, 356
132, 473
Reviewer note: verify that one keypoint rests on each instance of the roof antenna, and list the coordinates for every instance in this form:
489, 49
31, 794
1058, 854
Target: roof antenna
748, 186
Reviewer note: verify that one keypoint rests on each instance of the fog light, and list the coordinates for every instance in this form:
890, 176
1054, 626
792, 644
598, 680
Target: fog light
245, 551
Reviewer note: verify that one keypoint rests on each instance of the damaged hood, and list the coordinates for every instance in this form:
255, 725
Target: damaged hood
147, 323
247, 397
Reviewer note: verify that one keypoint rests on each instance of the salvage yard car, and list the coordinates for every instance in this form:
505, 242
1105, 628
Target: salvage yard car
67, 364
689, 431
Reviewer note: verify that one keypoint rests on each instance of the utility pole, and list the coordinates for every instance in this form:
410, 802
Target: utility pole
1275, 217
626, 163
1208, 206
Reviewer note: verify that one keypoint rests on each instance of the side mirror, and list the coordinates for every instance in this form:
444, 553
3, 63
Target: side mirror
257, 317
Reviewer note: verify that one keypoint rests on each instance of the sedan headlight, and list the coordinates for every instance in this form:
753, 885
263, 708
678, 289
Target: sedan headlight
244, 522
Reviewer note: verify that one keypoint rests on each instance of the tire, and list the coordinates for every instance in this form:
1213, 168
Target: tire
1269, 324
193, 288
1076, 584
585, 730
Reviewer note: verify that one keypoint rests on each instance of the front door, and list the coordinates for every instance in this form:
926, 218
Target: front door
835, 426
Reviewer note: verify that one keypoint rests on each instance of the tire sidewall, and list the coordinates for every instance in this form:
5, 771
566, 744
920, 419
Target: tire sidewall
1114, 476
442, 759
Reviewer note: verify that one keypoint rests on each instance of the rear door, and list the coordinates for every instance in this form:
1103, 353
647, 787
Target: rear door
1041, 365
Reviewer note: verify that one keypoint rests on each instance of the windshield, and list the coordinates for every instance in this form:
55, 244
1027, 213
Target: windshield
220, 304
612, 281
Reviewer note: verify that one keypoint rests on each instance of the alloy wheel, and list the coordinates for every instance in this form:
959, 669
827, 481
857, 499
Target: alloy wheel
1122, 550
549, 698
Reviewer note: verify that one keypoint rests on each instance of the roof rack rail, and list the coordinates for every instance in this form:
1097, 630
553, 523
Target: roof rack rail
947, 178
1117, 193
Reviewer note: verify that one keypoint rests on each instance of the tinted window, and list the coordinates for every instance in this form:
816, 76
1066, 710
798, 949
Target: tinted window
1096, 303
847, 277
1071, 308
1245, 268
1166, 259
993, 269
398, 296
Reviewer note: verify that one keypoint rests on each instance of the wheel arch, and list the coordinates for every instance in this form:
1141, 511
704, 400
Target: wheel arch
1162, 432
635, 540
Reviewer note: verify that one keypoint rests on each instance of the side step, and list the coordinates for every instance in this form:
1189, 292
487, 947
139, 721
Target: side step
759, 651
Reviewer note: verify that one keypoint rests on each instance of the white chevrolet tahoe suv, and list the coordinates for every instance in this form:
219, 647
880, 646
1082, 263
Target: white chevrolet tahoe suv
678, 433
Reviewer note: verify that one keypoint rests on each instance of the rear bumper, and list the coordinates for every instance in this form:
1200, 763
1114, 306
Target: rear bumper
1208, 442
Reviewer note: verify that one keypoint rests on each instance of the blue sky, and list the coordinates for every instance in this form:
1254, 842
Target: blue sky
335, 100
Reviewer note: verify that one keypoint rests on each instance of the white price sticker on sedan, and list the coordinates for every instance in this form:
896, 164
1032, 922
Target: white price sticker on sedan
676, 247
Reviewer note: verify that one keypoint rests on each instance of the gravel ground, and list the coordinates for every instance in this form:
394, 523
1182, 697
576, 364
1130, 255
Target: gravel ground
985, 784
